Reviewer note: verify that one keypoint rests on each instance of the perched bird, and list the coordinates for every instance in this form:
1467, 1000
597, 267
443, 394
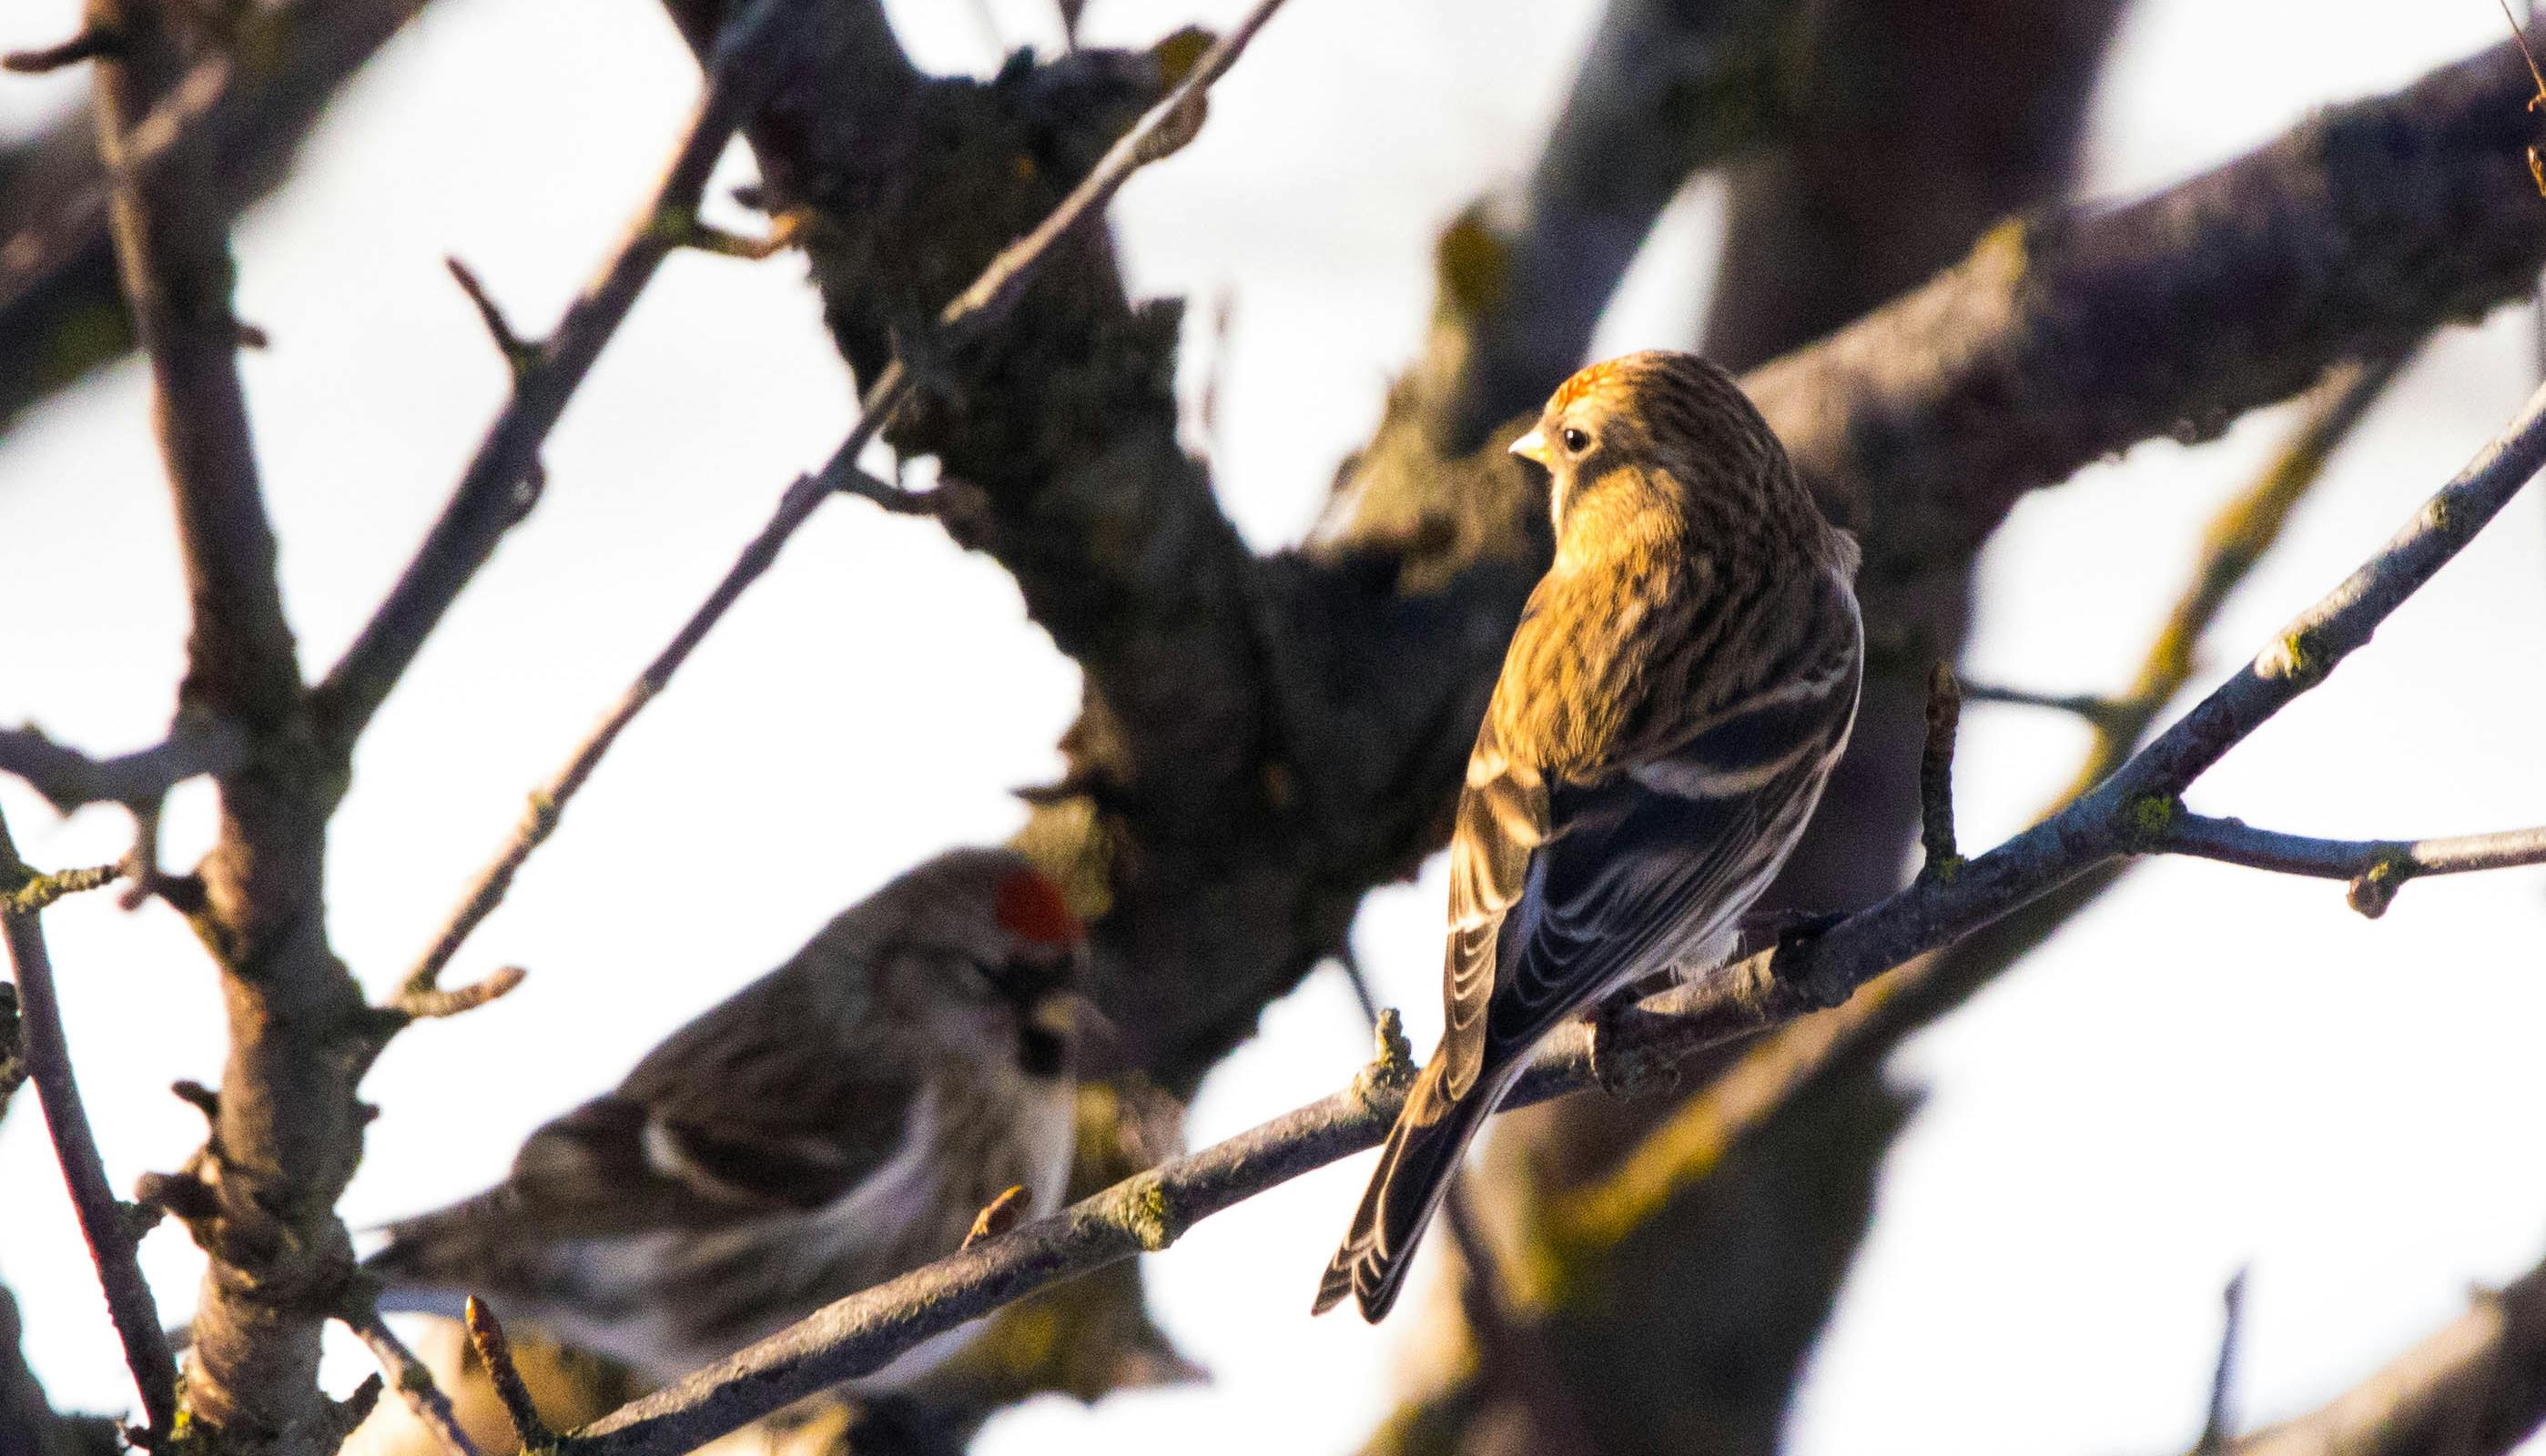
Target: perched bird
835, 1123
1681, 683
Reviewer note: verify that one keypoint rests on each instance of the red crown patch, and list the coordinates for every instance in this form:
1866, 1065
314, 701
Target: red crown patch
1031, 909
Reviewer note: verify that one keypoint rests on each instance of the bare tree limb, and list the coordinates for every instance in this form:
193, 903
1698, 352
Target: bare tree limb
88, 45
70, 778
61, 313
1669, 88
2063, 339
495, 1353
1937, 773
2475, 1388
103, 1224
2376, 869
963, 322
2123, 816
409, 1376
259, 1195
33, 892
2220, 1423
173, 255
741, 74
28, 1424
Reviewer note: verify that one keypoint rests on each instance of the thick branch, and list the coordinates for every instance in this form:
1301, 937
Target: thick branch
28, 1424
2477, 1388
62, 312
486, 502
111, 1238
2063, 340
1147, 1213
259, 1195
172, 251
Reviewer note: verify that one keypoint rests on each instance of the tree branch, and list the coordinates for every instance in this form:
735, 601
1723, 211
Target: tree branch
741, 74
962, 323
2064, 339
70, 778
1668, 88
2377, 868
173, 255
28, 1424
110, 1235
2473, 1389
61, 313
409, 1376
259, 1195
2123, 816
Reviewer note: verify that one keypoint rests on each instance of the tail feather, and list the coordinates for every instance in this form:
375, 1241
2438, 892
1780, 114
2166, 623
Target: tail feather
1413, 1175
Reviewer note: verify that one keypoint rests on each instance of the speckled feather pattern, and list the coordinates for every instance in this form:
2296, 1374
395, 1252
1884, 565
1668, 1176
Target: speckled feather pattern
833, 1124
1677, 691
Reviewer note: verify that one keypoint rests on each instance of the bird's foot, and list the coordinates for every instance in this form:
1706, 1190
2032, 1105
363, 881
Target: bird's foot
1778, 929
1622, 1070
1789, 930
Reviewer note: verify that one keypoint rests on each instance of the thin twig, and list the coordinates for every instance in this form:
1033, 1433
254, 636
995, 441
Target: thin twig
1147, 1213
518, 355
88, 45
431, 1003
1936, 774
2376, 869
485, 503
786, 230
111, 1242
26, 895
2469, 1389
976, 309
409, 1377
1504, 1343
2094, 709
2219, 1425
495, 1353
70, 780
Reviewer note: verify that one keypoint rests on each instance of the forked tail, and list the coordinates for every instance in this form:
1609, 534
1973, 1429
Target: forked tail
1413, 1175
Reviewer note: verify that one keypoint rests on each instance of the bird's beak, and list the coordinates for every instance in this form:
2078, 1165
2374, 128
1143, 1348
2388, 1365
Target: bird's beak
1061, 1014
1531, 446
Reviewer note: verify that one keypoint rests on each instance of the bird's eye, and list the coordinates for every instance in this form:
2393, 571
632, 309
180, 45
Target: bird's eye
1575, 441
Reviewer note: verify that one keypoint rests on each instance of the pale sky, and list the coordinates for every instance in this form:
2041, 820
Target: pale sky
2212, 1069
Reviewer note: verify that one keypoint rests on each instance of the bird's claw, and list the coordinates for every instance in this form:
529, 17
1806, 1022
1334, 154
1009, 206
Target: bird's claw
1781, 930
1624, 1071
1789, 930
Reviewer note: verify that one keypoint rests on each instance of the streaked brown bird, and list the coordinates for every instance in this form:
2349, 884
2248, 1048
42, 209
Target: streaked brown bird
1682, 682
835, 1123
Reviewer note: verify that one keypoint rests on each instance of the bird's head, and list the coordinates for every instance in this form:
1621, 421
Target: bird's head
1662, 440
996, 959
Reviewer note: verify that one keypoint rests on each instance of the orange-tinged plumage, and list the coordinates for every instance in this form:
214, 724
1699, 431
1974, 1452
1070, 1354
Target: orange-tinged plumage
1670, 705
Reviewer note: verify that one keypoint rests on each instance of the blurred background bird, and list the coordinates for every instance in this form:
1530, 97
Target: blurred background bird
837, 1122
1680, 685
